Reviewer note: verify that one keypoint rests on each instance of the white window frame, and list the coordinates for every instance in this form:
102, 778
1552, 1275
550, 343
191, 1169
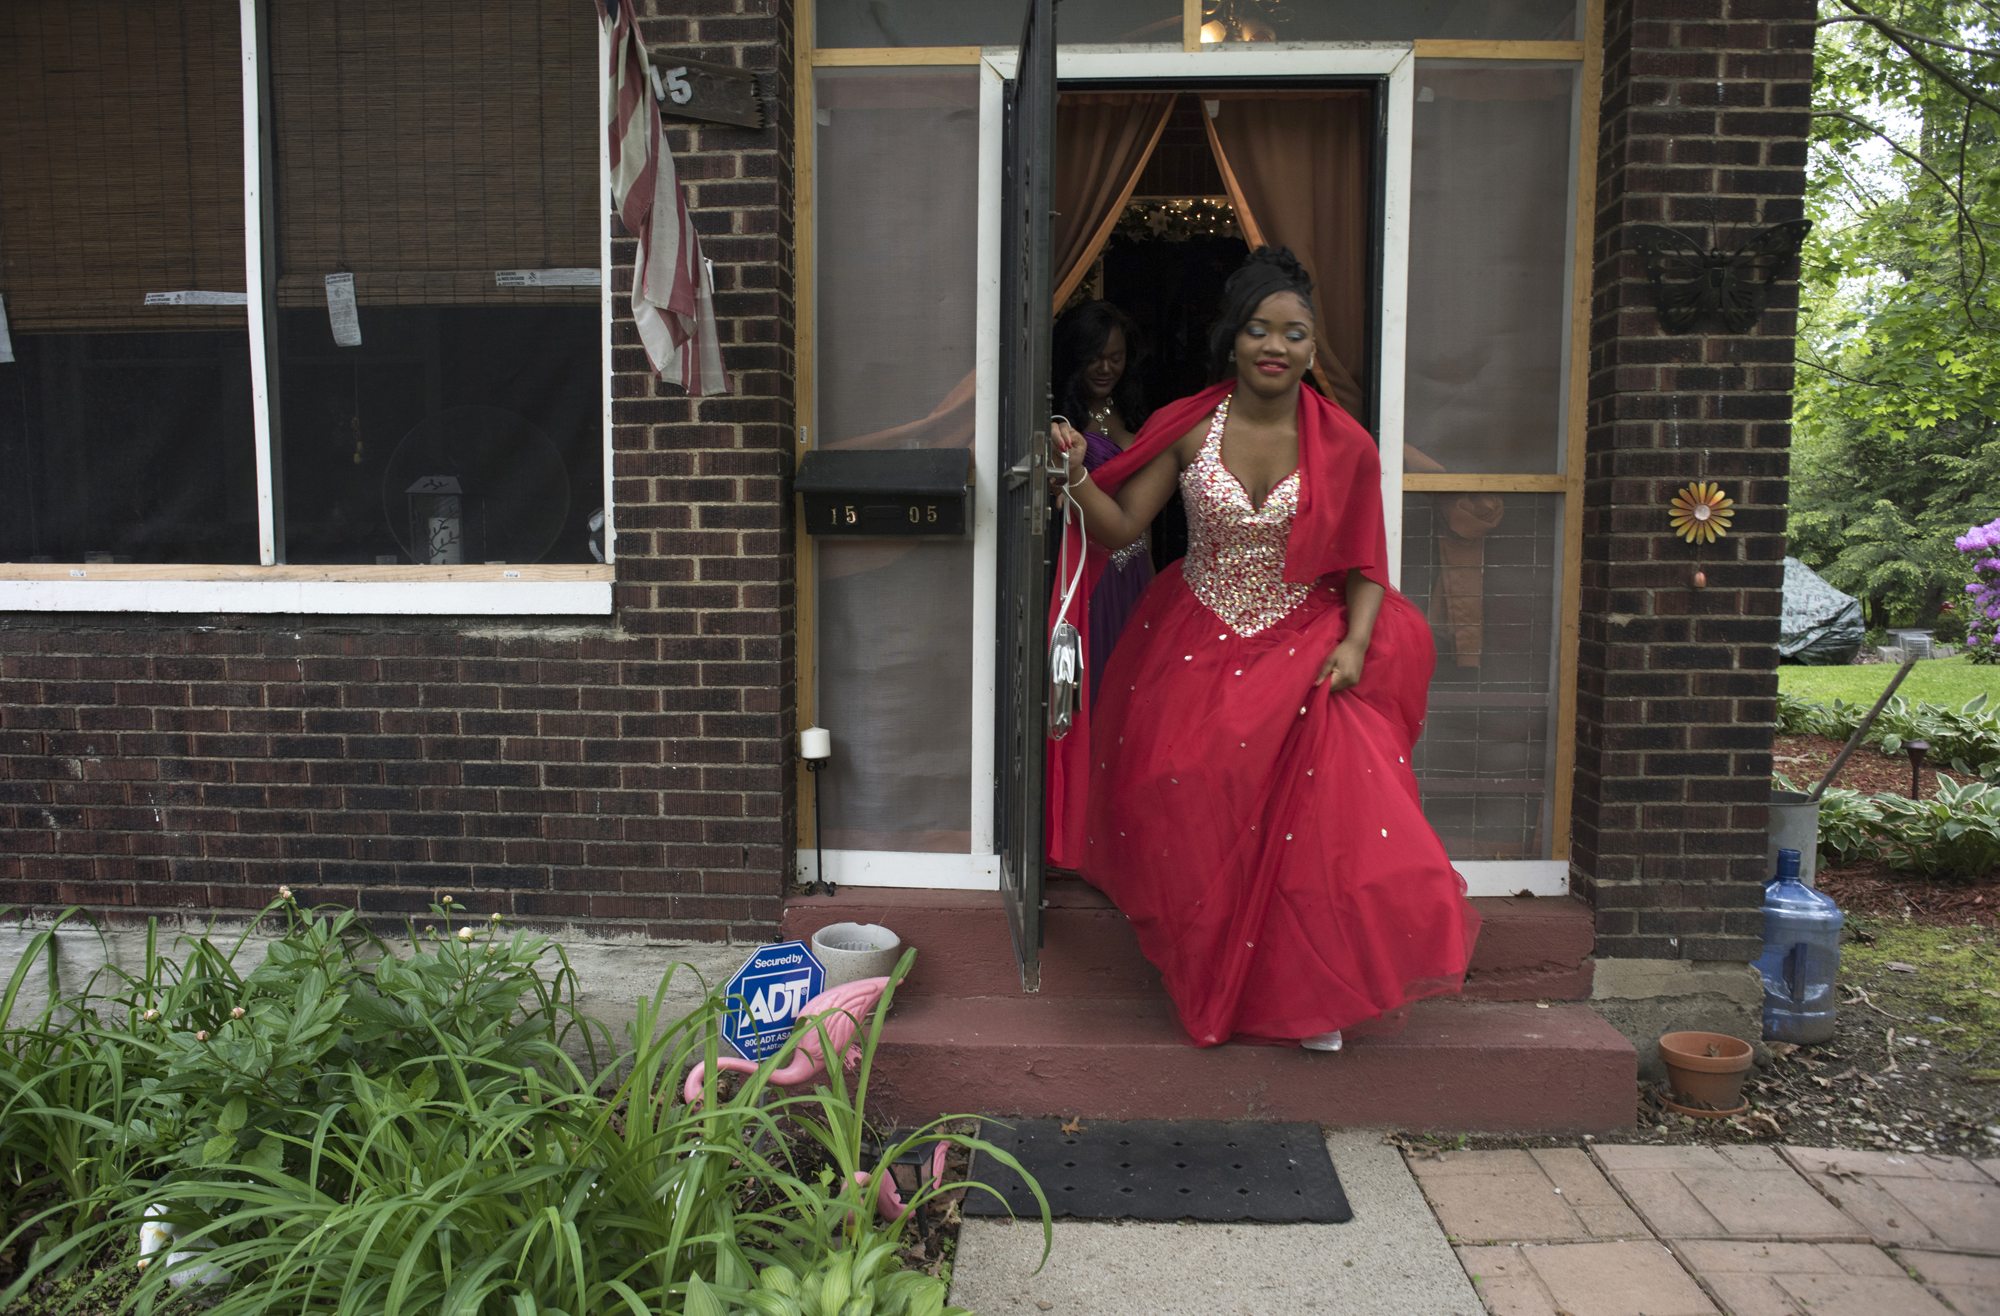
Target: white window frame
580, 589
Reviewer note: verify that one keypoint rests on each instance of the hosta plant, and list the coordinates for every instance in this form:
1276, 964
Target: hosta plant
1964, 739
1953, 833
1848, 822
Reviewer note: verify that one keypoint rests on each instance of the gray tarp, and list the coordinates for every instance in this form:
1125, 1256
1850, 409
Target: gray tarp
1821, 626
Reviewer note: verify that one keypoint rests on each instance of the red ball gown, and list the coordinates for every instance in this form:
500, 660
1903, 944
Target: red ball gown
1265, 837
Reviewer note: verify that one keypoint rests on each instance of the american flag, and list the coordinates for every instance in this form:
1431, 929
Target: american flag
673, 303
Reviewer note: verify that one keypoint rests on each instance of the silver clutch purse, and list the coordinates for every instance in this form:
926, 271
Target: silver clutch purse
1065, 642
1065, 678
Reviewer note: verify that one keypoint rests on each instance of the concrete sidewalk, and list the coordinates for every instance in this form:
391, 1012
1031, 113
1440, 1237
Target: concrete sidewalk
1584, 1231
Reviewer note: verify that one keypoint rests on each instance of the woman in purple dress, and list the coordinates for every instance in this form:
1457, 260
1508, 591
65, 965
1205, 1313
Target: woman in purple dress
1095, 348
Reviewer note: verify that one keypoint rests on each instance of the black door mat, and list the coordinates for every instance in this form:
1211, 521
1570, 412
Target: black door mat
1163, 1170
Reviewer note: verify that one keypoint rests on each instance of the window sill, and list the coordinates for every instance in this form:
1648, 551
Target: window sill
483, 590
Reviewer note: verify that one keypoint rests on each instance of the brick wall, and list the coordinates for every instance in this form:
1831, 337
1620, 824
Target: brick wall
1704, 127
631, 771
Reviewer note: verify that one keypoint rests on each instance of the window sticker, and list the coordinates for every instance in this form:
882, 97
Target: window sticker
562, 278
341, 311
197, 298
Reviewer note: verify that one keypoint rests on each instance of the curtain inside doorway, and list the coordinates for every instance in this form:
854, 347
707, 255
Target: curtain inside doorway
1297, 171
1107, 138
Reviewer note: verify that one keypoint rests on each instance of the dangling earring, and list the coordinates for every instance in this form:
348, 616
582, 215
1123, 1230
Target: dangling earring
1232, 354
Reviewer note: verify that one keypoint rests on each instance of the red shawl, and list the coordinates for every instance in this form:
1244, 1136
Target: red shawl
1338, 529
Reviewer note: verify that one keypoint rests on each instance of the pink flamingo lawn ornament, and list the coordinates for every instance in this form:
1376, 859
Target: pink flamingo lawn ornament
831, 1019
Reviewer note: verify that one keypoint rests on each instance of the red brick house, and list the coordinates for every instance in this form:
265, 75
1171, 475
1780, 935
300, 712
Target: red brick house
321, 369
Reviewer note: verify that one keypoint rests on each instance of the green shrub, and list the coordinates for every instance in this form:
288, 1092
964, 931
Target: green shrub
1848, 825
349, 1129
1807, 717
1954, 833
1964, 739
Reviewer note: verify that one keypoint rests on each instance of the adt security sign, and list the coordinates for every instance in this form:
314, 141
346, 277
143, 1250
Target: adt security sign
763, 997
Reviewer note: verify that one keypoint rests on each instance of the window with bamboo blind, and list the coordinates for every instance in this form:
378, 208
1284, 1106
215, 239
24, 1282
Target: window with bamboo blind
121, 162
425, 150
125, 428
424, 147
443, 156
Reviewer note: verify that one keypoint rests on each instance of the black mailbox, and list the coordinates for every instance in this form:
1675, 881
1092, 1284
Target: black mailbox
876, 491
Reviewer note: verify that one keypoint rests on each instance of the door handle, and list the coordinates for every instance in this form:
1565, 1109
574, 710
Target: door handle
1037, 457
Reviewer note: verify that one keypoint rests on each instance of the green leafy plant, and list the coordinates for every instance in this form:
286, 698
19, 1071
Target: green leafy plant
1807, 717
835, 1285
1897, 419
351, 1129
1848, 825
1954, 833
1965, 739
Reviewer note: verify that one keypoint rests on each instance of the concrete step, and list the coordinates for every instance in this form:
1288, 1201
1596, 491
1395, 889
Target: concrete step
1529, 949
1457, 1066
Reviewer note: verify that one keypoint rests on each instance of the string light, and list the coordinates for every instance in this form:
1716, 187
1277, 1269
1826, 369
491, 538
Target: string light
1178, 219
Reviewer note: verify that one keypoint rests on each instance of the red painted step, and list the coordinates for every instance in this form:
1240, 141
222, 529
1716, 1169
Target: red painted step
1529, 949
1503, 1067
1099, 1040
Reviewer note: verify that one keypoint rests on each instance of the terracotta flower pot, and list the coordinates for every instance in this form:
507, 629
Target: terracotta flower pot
1706, 1069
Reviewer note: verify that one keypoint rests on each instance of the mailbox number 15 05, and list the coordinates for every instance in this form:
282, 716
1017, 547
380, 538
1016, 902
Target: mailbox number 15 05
849, 514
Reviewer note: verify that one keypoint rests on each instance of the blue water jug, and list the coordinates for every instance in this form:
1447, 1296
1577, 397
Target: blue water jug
1801, 957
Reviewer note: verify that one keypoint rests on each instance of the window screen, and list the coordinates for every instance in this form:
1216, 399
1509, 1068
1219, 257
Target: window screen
984, 23
895, 201
1486, 569
1380, 20
1491, 210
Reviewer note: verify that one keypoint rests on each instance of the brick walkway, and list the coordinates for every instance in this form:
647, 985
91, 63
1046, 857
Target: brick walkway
1700, 1231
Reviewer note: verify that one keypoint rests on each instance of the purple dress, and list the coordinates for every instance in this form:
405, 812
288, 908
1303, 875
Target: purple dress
1125, 579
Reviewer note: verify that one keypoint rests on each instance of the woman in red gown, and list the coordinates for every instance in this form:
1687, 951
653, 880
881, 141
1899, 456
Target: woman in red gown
1242, 788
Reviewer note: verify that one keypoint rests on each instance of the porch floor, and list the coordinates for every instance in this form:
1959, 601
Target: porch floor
1521, 1051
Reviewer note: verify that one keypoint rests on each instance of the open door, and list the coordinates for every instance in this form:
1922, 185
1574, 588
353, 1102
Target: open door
1026, 280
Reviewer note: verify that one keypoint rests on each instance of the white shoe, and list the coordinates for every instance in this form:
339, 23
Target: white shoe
1322, 1041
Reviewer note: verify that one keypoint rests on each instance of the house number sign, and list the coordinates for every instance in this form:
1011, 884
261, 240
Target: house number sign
697, 89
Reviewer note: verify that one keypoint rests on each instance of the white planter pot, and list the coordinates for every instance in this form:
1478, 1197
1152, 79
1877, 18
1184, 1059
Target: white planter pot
156, 1236
853, 951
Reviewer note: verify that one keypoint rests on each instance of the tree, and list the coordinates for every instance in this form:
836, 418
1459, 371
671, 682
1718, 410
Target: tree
1897, 435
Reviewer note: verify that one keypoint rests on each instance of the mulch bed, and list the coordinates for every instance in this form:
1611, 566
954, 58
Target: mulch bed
1805, 759
1872, 887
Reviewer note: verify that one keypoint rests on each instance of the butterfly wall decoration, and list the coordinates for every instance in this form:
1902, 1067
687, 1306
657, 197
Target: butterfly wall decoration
1690, 280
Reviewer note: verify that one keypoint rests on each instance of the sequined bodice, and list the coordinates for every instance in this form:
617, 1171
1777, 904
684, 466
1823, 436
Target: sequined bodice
1236, 553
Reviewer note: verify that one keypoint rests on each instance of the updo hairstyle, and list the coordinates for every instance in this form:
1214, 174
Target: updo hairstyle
1268, 270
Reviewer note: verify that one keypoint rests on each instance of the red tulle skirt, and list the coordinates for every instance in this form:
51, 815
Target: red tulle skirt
1266, 838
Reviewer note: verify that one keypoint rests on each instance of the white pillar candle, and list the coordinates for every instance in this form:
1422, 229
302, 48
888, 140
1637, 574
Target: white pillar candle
815, 743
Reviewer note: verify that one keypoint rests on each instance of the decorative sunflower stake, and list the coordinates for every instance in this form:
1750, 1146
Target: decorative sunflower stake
1700, 513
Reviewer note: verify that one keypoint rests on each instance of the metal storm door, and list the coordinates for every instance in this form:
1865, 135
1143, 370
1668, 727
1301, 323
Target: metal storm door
1026, 284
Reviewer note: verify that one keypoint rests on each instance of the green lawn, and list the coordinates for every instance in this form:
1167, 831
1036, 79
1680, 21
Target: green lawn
1948, 681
